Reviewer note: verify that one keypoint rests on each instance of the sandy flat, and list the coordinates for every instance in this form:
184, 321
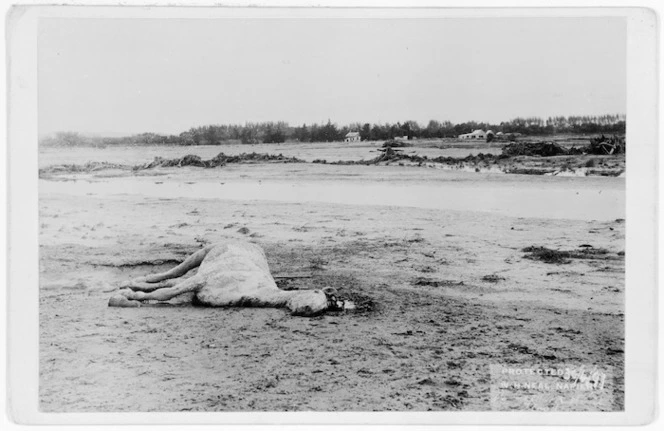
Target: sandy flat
445, 294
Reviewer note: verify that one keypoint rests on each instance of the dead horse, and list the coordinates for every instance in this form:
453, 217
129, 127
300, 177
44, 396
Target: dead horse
234, 273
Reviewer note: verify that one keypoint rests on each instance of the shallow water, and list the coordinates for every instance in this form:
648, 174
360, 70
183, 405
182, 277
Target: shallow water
551, 199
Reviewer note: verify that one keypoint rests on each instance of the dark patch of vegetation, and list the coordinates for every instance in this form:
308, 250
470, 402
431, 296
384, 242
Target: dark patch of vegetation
529, 171
317, 263
492, 278
589, 253
427, 269
423, 281
548, 255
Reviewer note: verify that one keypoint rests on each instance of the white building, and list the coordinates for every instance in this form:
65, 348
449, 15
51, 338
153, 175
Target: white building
352, 137
476, 134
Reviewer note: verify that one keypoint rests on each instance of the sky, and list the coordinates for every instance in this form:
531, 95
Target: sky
124, 76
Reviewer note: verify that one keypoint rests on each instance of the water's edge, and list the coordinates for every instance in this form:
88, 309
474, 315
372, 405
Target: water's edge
556, 201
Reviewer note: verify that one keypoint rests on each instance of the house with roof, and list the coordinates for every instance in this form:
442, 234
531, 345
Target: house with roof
352, 137
475, 134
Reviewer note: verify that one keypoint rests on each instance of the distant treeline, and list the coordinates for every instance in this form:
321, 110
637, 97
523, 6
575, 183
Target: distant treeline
271, 132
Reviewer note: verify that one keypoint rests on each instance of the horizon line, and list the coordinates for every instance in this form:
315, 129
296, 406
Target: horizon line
106, 134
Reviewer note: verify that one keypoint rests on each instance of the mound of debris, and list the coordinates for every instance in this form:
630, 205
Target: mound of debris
606, 145
220, 159
389, 155
602, 145
395, 143
544, 149
188, 160
88, 167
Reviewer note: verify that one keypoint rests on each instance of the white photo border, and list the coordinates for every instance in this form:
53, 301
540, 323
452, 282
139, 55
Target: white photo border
23, 238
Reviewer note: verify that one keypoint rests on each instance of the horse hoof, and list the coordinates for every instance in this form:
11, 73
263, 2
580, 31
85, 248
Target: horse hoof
127, 293
121, 301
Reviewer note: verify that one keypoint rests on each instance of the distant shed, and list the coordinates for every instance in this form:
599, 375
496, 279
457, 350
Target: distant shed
476, 134
352, 137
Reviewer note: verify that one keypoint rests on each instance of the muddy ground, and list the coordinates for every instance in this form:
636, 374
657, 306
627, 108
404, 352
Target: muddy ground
443, 295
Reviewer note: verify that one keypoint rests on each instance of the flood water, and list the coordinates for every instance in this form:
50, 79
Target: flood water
550, 199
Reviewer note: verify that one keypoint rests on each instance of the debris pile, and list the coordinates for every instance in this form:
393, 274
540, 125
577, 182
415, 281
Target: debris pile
395, 143
544, 149
188, 160
388, 155
391, 155
598, 146
220, 159
87, 167
606, 146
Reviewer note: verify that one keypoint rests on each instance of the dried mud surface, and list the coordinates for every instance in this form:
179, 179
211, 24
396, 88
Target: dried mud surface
443, 295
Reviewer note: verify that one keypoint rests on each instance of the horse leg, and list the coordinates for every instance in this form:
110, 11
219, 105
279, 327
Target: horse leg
130, 298
298, 302
147, 287
190, 263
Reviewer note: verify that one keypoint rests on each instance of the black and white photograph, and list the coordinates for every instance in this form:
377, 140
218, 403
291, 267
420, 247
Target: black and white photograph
332, 211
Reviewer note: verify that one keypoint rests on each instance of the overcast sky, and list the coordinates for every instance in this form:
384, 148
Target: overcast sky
124, 76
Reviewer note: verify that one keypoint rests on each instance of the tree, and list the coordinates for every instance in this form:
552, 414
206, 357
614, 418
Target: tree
302, 134
249, 134
365, 132
274, 134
